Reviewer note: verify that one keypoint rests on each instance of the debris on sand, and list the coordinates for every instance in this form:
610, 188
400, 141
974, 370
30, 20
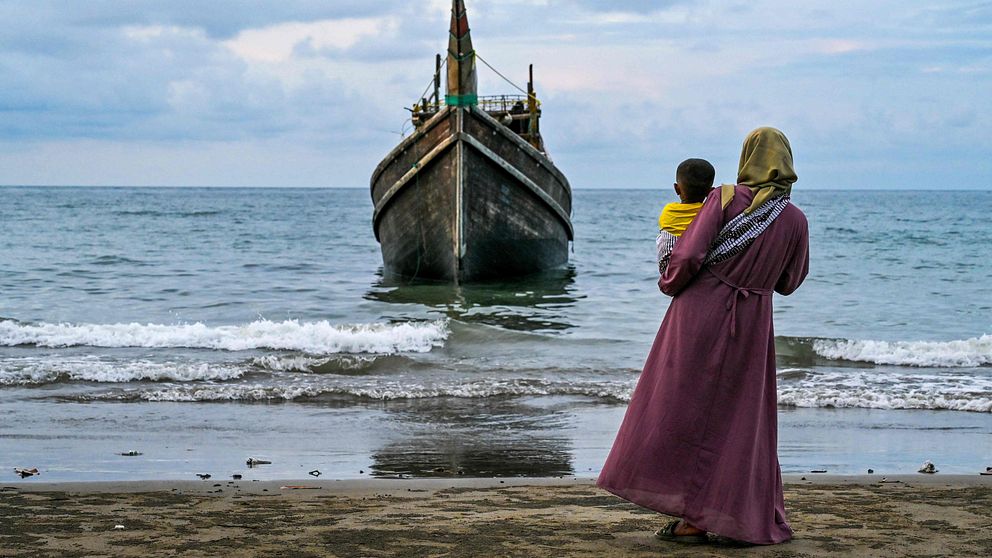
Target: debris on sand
314, 473
132, 453
928, 467
252, 462
25, 473
203, 476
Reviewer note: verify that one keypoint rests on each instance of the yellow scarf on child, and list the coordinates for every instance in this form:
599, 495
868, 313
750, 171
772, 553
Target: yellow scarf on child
675, 217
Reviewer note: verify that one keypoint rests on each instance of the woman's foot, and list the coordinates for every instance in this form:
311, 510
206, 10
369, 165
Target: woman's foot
680, 531
683, 529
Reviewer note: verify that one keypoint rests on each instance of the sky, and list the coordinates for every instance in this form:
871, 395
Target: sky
311, 93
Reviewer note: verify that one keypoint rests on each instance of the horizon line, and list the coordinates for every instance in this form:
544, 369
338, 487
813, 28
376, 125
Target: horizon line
588, 188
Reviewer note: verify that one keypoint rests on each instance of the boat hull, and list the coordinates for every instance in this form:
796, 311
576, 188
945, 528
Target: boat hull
465, 199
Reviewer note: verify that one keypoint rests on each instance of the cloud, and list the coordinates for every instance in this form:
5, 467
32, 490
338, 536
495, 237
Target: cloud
166, 82
629, 89
278, 43
611, 6
219, 19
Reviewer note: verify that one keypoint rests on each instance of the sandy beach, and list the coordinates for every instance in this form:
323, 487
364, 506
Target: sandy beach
832, 516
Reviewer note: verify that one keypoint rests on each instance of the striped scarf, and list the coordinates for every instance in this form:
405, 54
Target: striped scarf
733, 239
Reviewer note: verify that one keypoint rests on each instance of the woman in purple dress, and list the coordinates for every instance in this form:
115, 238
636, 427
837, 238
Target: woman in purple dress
699, 439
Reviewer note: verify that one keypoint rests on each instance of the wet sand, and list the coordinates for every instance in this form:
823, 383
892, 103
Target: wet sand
833, 516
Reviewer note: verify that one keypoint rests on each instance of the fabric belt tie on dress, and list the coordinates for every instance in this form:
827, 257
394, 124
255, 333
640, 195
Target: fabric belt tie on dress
737, 293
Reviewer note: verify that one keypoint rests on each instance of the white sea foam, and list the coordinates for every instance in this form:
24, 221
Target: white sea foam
28, 371
967, 353
862, 389
288, 363
869, 399
344, 363
867, 389
310, 337
380, 390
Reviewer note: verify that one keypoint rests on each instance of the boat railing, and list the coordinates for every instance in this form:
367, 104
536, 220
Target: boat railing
519, 113
490, 103
504, 103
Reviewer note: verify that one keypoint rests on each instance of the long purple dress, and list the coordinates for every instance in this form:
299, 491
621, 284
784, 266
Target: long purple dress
699, 440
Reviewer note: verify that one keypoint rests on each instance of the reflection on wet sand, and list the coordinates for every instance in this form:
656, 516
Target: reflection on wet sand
491, 437
473, 458
533, 303
505, 437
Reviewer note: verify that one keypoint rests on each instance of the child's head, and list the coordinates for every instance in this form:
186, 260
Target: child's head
694, 180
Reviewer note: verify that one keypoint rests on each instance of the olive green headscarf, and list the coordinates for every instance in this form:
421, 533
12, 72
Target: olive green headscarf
766, 166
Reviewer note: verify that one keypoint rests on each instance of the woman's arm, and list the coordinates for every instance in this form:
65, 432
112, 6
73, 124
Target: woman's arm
798, 266
691, 249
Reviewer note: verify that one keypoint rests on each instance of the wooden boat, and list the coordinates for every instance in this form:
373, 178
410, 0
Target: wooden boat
471, 194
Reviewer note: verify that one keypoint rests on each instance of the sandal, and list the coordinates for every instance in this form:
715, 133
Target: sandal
667, 533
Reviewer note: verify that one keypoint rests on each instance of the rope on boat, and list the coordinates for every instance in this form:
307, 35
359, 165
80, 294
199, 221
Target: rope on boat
431, 82
506, 79
488, 65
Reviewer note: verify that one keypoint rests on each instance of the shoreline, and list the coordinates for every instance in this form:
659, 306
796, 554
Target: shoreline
379, 485
547, 436
833, 516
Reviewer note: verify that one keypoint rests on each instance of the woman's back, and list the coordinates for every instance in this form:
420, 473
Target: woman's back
777, 259
766, 263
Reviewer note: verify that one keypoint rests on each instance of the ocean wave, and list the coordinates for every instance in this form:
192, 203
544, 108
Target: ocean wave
156, 213
32, 371
340, 364
115, 260
870, 399
317, 338
967, 353
868, 389
798, 388
380, 391
288, 363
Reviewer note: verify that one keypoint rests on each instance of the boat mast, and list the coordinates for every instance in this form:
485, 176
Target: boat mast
437, 82
462, 81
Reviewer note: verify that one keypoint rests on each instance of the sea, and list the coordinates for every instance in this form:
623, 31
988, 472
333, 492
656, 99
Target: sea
158, 333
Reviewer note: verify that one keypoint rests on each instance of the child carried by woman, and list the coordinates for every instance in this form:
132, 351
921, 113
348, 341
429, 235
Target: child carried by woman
693, 182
